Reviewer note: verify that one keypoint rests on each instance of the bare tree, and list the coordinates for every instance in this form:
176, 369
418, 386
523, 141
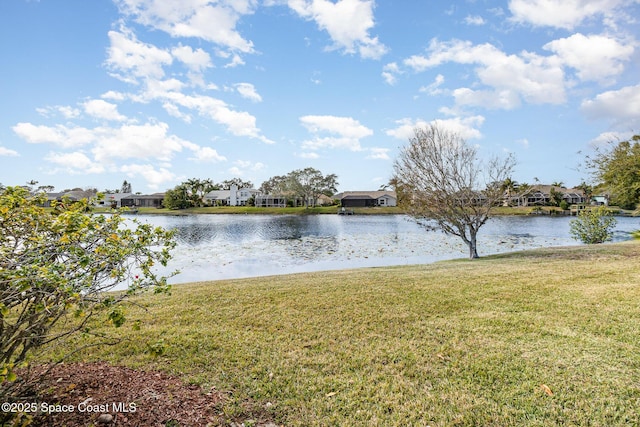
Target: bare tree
439, 177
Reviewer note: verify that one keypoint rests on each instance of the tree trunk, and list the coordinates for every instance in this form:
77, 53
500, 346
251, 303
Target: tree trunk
473, 246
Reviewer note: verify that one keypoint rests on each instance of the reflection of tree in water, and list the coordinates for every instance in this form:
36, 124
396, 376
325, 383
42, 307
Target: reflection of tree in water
194, 234
311, 248
283, 228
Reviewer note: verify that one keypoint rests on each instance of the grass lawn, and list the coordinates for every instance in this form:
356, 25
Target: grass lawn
538, 338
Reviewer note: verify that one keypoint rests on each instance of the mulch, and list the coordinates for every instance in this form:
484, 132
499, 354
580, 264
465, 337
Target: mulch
104, 395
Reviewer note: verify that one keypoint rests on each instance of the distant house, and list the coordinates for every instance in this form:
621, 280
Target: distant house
540, 195
602, 200
113, 200
232, 197
143, 201
355, 199
271, 201
71, 195
284, 200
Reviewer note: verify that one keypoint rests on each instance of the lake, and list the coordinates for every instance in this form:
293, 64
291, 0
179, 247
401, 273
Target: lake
212, 247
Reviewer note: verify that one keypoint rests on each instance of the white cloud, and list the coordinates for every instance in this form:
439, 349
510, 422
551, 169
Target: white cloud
101, 109
619, 106
236, 60
405, 128
136, 141
595, 57
159, 88
204, 154
135, 62
155, 177
492, 99
108, 144
340, 125
214, 21
565, 14
244, 166
390, 73
434, 88
8, 152
249, 165
247, 90
76, 163
239, 123
528, 76
196, 60
605, 139
131, 59
346, 132
174, 111
114, 96
60, 135
474, 20
466, 127
66, 111
348, 23
379, 153
236, 171
524, 142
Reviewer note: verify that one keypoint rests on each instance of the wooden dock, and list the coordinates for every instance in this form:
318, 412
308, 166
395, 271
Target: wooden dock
343, 211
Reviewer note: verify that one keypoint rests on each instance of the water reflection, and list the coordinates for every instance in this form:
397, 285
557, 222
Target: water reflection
231, 246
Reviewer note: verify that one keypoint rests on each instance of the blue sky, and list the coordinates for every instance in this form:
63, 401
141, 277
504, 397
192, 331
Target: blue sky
156, 92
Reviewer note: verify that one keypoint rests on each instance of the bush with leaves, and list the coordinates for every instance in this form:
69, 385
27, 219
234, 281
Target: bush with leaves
593, 225
58, 267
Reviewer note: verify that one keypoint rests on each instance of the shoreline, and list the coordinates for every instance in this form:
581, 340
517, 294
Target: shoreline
334, 210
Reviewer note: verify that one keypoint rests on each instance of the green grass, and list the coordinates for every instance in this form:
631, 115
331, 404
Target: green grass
457, 343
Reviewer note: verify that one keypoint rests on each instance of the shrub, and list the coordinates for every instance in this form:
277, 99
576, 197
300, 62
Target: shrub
593, 225
57, 268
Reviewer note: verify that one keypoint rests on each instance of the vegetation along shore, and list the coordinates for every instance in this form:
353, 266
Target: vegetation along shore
536, 338
325, 210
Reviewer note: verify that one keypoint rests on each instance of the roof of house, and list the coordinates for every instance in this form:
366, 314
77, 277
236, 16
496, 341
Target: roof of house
145, 196
546, 189
218, 194
73, 195
117, 196
223, 194
365, 194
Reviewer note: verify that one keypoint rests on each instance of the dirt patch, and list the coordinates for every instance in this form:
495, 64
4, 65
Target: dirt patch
99, 394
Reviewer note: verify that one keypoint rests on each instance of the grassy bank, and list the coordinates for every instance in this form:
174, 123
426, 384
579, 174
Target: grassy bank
270, 211
539, 338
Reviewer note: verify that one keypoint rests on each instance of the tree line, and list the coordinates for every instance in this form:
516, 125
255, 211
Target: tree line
304, 185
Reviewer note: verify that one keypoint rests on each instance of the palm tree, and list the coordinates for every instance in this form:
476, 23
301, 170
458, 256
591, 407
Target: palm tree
587, 190
509, 186
523, 191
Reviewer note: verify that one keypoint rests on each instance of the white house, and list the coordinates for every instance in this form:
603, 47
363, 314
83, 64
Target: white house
231, 197
114, 199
